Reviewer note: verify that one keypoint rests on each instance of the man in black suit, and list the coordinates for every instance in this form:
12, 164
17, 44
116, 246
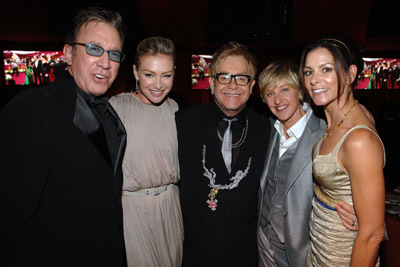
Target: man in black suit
219, 189
58, 68
45, 70
60, 152
378, 75
393, 75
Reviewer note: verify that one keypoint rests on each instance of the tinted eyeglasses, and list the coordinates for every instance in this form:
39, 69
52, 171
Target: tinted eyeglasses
226, 78
98, 51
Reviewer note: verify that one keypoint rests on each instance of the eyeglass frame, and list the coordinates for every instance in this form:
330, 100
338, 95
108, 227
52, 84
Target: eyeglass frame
103, 50
216, 76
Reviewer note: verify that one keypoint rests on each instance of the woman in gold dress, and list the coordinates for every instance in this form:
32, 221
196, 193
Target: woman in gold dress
348, 160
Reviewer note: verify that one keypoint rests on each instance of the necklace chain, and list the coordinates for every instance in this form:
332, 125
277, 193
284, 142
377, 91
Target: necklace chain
329, 132
241, 139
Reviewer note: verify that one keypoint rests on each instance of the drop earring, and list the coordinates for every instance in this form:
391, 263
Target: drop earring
137, 86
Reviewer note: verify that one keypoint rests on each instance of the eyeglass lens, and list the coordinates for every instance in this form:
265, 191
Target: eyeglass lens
227, 78
95, 50
98, 51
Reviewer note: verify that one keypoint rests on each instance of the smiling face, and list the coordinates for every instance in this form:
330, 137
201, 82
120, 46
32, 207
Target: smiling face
156, 76
320, 77
232, 98
94, 75
283, 101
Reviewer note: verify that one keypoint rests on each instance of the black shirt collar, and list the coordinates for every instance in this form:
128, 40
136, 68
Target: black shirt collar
219, 115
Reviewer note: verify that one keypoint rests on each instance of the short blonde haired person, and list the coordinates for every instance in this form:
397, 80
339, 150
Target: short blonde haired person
234, 49
286, 185
280, 70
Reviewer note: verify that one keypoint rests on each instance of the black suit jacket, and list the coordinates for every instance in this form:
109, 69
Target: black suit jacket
37, 69
59, 197
226, 236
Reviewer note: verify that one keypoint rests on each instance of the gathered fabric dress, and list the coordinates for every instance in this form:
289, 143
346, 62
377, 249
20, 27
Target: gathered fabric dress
153, 227
371, 84
29, 77
331, 242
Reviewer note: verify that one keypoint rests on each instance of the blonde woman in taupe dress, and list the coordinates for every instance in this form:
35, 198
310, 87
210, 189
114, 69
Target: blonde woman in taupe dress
153, 227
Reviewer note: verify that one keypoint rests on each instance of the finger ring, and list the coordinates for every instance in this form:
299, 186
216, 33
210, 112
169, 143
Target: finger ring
352, 223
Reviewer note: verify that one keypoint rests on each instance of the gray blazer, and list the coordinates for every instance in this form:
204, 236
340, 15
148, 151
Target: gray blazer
298, 191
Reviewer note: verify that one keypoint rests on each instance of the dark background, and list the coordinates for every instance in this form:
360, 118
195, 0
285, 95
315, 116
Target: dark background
271, 29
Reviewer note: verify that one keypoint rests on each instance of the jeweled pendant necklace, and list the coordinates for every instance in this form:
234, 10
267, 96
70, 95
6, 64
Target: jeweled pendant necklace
210, 174
329, 132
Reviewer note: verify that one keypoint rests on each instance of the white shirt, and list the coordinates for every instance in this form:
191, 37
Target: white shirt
294, 132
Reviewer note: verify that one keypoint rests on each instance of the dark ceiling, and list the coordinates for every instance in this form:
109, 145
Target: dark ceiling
199, 24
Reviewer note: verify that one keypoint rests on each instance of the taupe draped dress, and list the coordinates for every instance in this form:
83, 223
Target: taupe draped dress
153, 227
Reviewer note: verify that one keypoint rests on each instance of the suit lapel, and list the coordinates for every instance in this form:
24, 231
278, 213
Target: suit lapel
122, 135
272, 141
273, 138
83, 117
303, 152
85, 120
87, 123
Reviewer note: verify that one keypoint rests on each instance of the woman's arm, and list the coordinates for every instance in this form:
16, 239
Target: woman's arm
362, 156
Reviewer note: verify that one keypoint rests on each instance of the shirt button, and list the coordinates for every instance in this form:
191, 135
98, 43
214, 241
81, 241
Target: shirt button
285, 214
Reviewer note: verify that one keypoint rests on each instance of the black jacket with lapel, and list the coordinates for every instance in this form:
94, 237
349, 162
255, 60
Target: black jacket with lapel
60, 198
226, 236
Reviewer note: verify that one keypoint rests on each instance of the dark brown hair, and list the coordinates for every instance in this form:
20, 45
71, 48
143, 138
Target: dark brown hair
95, 14
345, 52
